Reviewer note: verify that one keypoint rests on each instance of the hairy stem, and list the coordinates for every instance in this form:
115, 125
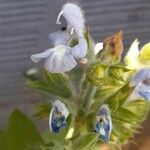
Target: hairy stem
89, 96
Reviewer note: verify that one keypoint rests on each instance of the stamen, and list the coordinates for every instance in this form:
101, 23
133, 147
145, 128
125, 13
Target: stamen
72, 30
58, 18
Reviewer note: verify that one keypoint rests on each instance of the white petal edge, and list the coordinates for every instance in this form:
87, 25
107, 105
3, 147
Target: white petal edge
98, 48
37, 57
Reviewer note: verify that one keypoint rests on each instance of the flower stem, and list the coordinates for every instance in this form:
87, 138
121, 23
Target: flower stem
89, 96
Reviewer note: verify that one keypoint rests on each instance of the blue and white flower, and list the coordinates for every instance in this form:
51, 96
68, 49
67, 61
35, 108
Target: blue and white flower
62, 57
103, 124
141, 82
58, 116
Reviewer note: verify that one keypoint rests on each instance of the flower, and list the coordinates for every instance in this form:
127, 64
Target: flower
58, 116
62, 57
138, 59
59, 58
74, 17
141, 82
103, 124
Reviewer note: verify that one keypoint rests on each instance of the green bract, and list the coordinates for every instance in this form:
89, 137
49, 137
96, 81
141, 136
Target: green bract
104, 74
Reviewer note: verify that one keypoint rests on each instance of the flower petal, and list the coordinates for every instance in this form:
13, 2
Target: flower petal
132, 55
74, 17
145, 53
140, 76
98, 47
141, 83
145, 94
80, 50
37, 57
60, 61
59, 38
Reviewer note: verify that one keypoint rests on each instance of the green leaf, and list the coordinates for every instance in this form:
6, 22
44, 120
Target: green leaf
57, 139
85, 142
90, 43
42, 110
136, 105
53, 84
22, 134
105, 91
3, 140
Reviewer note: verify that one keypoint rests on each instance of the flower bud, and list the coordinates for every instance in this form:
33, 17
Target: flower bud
112, 49
103, 123
97, 73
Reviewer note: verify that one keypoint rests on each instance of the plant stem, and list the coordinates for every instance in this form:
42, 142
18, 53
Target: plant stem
89, 96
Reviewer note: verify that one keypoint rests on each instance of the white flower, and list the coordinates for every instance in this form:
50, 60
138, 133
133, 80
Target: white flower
74, 17
141, 82
61, 58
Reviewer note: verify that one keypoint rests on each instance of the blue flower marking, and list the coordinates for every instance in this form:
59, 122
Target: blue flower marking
103, 124
58, 116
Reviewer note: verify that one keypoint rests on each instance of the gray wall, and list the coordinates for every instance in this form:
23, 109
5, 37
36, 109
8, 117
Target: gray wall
26, 24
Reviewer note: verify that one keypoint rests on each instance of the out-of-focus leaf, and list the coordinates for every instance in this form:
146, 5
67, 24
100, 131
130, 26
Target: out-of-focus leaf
58, 139
85, 142
136, 105
52, 84
22, 134
42, 110
3, 140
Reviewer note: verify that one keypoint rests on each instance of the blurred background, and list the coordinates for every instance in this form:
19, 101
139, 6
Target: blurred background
24, 29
